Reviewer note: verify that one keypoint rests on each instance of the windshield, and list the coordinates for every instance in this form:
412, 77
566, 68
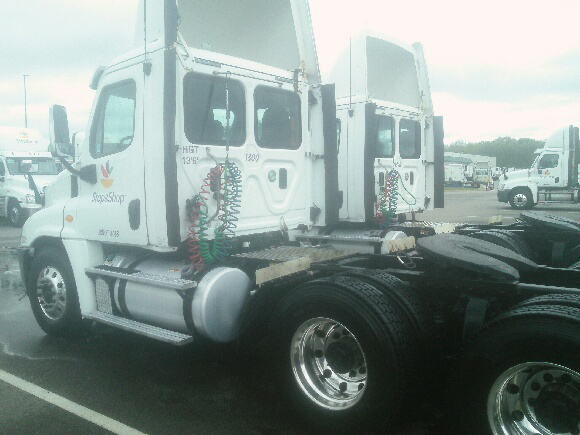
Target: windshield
39, 166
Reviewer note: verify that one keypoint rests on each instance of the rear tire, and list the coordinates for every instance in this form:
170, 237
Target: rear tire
523, 369
567, 300
345, 354
506, 239
53, 294
521, 199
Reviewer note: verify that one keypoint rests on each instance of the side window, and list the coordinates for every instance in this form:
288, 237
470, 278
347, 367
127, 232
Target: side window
114, 123
277, 118
2, 169
409, 139
385, 136
204, 100
548, 161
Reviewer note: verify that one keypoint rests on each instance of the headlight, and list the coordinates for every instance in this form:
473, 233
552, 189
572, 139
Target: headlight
501, 187
29, 199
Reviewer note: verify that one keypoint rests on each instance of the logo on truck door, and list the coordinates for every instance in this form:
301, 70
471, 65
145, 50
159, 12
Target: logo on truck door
106, 181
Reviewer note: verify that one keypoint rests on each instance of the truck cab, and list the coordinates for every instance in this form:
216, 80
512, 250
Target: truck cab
386, 128
23, 154
553, 176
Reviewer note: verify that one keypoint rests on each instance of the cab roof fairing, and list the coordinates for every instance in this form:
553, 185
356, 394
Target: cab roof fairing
354, 61
276, 33
559, 140
22, 140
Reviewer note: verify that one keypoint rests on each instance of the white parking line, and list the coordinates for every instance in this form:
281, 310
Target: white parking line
78, 410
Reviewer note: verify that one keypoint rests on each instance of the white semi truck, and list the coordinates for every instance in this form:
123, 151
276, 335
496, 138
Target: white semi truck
205, 205
553, 177
23, 153
386, 129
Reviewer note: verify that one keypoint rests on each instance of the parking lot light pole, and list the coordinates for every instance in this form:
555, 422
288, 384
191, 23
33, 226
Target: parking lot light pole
25, 114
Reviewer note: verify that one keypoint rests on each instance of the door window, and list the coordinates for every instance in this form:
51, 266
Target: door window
2, 170
114, 123
385, 136
548, 161
277, 118
204, 99
409, 139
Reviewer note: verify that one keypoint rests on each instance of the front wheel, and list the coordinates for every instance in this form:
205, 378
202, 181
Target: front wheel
344, 352
15, 214
521, 199
53, 294
522, 374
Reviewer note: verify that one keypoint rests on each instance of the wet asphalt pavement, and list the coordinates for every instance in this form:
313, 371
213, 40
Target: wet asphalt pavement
153, 387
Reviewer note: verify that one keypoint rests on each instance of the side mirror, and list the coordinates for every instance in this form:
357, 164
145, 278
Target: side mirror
60, 145
25, 166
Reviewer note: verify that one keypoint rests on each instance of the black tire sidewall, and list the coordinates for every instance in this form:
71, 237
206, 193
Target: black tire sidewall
505, 346
377, 394
70, 322
19, 219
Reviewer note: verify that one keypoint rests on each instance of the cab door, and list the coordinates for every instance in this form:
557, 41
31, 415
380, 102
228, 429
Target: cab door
263, 136
112, 210
549, 171
409, 163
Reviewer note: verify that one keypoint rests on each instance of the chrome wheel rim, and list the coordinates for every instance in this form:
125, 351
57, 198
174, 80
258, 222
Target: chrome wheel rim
520, 200
535, 397
328, 363
51, 293
14, 215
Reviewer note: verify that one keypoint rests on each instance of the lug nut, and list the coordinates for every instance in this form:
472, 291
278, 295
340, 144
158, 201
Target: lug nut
513, 389
566, 378
535, 386
327, 373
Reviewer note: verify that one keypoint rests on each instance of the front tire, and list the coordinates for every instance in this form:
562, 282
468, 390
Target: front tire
345, 354
521, 199
53, 294
15, 214
522, 374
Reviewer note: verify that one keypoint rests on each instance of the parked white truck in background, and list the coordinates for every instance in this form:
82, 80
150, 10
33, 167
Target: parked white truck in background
552, 178
23, 151
482, 174
205, 205
455, 174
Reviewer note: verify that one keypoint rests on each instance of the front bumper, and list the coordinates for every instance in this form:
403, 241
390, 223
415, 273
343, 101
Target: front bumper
24, 260
29, 209
502, 195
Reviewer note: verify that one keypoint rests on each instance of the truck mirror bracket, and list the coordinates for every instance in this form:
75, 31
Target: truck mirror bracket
86, 173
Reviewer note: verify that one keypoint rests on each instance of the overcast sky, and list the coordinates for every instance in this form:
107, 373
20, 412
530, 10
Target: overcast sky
497, 68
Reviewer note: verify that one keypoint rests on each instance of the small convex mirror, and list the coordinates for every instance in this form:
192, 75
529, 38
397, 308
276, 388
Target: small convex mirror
60, 145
